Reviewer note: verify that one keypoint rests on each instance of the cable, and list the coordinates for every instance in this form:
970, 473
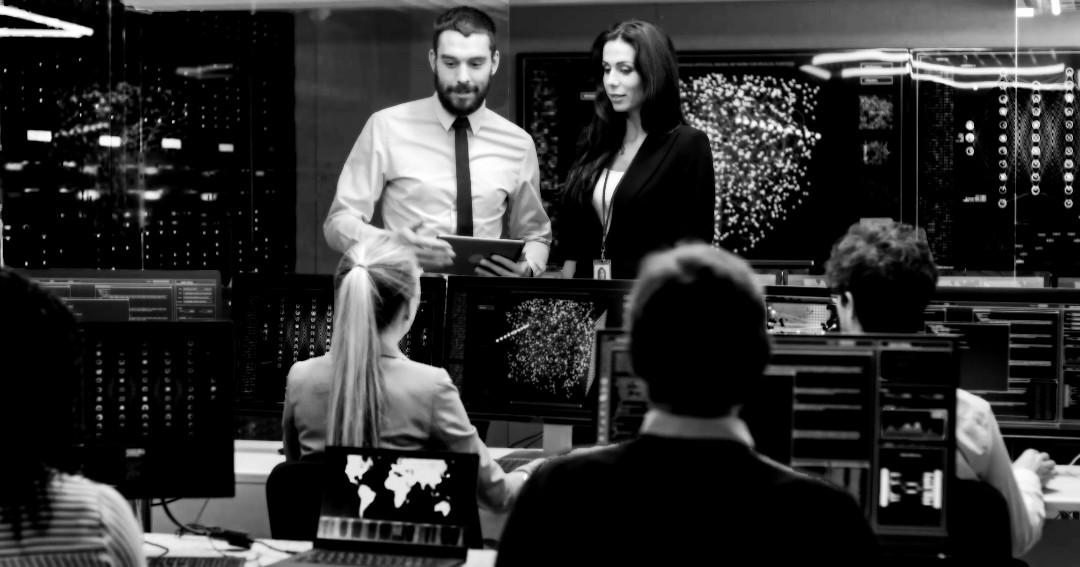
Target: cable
1073, 462
526, 441
197, 530
162, 502
157, 545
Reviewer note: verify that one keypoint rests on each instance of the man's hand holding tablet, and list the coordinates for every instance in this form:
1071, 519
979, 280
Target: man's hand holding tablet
486, 256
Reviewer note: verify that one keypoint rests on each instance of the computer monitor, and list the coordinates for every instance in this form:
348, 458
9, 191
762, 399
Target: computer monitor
135, 295
523, 349
875, 415
622, 401
797, 310
1044, 348
872, 414
156, 405
990, 281
283, 319
983, 350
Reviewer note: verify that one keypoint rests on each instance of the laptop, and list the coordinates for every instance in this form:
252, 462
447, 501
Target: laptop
393, 507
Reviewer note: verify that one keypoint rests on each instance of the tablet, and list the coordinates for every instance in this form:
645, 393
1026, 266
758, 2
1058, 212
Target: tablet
468, 251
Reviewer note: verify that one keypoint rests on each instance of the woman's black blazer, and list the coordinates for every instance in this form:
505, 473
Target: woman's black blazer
666, 195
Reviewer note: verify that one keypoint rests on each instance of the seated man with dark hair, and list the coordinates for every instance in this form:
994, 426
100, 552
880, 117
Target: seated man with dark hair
885, 276
691, 489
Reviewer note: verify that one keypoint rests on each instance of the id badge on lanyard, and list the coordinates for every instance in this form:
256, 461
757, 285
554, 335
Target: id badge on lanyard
601, 269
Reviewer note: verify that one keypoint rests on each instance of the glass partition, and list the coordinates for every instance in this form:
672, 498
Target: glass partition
197, 135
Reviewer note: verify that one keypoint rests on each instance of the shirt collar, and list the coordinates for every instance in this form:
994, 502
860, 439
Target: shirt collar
476, 119
665, 424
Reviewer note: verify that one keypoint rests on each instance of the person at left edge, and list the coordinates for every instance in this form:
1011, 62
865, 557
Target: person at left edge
406, 157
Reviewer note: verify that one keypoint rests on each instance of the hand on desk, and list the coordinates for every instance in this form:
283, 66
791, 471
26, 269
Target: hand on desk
1037, 462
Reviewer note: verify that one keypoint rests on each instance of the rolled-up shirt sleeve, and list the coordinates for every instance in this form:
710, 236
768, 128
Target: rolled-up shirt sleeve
527, 219
496, 490
982, 448
359, 188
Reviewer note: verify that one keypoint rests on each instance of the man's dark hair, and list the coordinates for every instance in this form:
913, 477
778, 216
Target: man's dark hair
465, 20
697, 329
41, 352
890, 273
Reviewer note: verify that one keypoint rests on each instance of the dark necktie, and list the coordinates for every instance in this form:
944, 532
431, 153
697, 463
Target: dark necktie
464, 180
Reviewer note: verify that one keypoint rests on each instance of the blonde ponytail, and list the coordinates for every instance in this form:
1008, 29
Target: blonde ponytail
375, 279
355, 404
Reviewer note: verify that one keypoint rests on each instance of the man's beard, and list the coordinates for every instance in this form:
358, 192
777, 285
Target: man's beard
443, 90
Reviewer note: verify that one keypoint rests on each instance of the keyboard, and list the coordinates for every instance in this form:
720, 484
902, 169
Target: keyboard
519, 458
170, 561
359, 559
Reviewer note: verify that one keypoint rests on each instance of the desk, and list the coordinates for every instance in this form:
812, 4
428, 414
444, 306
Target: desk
246, 512
202, 546
1062, 494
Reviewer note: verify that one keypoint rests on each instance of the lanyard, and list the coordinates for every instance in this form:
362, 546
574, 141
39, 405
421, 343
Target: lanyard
606, 206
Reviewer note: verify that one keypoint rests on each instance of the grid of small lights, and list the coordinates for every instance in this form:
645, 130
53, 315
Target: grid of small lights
1070, 98
757, 126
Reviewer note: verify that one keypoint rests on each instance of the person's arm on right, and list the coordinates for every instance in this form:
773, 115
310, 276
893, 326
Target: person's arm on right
496, 490
290, 436
1019, 485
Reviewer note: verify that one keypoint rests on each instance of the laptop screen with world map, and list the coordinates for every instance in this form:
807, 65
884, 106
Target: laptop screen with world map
398, 497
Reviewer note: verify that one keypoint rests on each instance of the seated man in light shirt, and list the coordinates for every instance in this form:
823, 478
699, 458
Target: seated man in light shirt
406, 157
884, 276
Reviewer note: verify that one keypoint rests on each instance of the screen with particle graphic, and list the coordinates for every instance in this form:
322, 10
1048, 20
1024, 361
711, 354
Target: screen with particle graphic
526, 350
802, 146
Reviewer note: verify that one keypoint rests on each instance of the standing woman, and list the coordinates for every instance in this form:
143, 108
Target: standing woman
643, 178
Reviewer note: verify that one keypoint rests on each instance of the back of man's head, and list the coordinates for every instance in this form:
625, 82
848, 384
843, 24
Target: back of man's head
889, 272
41, 360
697, 329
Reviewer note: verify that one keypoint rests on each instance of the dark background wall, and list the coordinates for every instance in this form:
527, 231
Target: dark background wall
351, 63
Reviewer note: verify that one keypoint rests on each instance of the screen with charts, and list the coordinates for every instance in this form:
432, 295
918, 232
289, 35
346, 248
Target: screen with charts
524, 350
135, 295
396, 497
622, 401
1043, 325
157, 400
284, 319
872, 414
983, 350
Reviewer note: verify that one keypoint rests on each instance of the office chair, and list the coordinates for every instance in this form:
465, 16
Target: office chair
979, 530
293, 499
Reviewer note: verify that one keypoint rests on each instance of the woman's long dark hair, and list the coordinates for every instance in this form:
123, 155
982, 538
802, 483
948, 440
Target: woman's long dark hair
655, 61
41, 360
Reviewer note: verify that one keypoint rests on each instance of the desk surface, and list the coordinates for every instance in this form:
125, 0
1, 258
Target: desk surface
1062, 493
201, 546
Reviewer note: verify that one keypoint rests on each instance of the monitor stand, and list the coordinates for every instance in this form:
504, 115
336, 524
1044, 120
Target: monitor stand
141, 507
558, 438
